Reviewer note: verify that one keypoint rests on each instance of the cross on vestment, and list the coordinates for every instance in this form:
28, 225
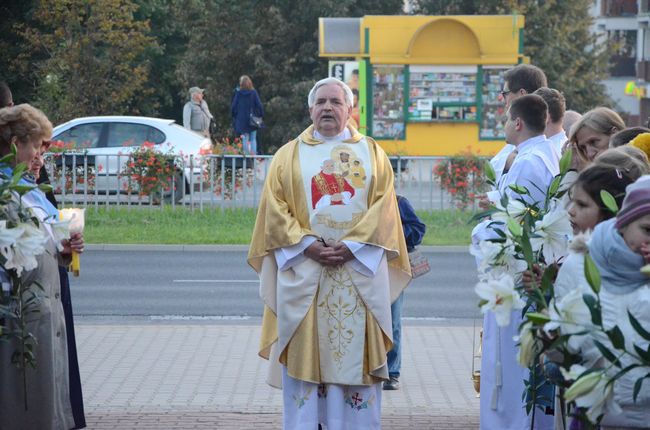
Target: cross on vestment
356, 399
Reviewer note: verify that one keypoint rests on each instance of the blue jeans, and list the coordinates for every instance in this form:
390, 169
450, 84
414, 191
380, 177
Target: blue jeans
249, 142
395, 354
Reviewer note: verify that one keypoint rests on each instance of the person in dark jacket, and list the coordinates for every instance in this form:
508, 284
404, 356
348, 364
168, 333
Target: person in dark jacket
414, 230
245, 105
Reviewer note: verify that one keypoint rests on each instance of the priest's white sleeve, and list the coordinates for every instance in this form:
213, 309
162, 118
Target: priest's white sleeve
289, 256
366, 257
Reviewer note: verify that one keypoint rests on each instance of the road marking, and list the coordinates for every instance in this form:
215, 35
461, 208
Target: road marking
218, 281
199, 317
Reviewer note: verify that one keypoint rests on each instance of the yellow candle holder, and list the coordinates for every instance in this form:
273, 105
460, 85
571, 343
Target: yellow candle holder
76, 218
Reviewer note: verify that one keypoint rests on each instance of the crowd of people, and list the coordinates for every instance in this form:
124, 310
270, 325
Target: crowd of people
331, 246
606, 156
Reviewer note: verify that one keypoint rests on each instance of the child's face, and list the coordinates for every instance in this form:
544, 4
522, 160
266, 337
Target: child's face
637, 233
584, 213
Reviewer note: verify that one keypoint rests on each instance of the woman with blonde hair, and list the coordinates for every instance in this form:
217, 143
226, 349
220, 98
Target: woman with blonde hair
247, 113
47, 389
591, 134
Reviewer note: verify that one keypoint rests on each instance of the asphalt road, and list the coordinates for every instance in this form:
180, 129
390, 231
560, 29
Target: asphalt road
175, 285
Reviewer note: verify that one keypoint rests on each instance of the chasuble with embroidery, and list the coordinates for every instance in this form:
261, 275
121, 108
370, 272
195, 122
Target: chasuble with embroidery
329, 324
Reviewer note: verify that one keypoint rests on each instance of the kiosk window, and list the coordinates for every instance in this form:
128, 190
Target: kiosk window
493, 112
442, 93
388, 102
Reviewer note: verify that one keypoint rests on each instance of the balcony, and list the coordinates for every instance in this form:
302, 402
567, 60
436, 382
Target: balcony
619, 8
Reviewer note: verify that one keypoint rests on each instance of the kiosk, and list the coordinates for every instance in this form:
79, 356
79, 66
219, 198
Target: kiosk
427, 85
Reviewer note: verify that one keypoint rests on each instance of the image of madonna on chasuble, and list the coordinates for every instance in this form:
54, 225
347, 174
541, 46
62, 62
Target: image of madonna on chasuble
329, 325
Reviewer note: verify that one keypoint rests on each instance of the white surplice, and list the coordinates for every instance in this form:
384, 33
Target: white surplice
502, 379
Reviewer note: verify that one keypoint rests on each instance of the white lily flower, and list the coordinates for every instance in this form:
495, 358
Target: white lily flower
570, 315
501, 297
528, 345
8, 236
30, 244
591, 391
553, 233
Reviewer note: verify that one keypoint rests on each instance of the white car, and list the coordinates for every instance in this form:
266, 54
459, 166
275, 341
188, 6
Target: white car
107, 141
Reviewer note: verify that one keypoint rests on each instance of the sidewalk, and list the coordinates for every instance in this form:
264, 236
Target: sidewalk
208, 376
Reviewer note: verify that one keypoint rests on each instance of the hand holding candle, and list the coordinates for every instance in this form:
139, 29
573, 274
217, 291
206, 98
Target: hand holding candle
76, 218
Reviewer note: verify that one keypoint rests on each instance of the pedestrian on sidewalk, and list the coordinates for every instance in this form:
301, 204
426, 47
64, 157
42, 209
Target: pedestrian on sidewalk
331, 256
414, 230
196, 113
247, 113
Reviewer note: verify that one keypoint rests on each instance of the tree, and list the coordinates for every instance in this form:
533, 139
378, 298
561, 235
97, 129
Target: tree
274, 42
557, 38
94, 64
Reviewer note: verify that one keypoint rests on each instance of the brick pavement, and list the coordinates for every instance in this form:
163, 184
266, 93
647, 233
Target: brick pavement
146, 376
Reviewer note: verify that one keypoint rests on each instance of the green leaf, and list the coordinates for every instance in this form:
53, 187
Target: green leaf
645, 355
565, 161
555, 185
548, 277
594, 309
637, 327
609, 201
22, 189
616, 337
7, 159
637, 388
514, 227
519, 189
607, 354
538, 318
592, 274
482, 302
489, 172
46, 188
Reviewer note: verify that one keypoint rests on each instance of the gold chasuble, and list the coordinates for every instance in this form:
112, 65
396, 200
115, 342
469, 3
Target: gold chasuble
328, 324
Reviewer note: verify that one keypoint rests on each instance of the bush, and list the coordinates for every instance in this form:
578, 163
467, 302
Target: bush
462, 177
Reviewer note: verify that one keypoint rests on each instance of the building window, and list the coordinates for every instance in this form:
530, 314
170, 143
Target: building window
623, 61
619, 8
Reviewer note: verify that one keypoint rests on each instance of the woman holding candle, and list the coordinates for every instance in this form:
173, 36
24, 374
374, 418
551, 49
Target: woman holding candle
47, 392
71, 248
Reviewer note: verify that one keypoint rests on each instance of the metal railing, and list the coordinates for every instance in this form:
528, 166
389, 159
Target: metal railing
212, 181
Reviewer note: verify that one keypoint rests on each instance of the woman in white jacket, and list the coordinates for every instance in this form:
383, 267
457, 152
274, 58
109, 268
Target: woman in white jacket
586, 210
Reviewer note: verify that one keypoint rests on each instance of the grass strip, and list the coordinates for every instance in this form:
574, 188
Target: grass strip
229, 226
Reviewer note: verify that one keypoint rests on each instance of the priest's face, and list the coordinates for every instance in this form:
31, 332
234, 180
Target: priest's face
330, 112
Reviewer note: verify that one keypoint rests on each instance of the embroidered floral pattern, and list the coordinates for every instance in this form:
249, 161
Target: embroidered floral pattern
302, 397
342, 306
356, 401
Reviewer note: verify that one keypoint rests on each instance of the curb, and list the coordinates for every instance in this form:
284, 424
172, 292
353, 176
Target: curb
237, 248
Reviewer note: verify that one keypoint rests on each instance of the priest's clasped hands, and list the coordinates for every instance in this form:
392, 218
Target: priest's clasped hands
329, 253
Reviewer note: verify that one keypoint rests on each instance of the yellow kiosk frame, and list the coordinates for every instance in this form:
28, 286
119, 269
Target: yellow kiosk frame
429, 85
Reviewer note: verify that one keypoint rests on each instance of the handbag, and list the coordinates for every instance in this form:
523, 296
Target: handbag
255, 121
419, 263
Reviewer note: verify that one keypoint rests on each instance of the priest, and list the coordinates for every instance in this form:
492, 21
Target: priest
328, 272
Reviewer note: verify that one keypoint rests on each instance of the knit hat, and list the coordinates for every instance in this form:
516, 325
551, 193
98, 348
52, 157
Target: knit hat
636, 203
196, 90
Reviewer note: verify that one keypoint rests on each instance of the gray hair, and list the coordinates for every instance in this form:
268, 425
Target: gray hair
349, 98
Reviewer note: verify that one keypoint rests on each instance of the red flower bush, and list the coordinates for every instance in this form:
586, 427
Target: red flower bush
149, 170
462, 176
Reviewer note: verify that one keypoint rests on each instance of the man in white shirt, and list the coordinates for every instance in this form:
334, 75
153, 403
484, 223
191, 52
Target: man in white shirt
556, 108
534, 167
520, 80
